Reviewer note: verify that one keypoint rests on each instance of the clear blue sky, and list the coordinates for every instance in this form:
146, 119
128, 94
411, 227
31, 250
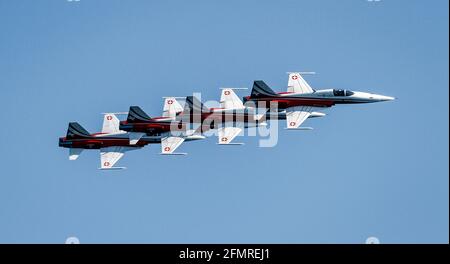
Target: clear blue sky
366, 170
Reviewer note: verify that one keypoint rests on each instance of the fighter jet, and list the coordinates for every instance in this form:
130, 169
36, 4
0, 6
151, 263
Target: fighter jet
171, 132
228, 120
300, 100
111, 141
229, 100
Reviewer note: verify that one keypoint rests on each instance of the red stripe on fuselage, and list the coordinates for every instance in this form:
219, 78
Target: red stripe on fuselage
102, 142
221, 117
286, 102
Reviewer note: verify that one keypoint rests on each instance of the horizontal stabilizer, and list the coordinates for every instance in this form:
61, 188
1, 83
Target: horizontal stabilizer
317, 114
74, 153
135, 137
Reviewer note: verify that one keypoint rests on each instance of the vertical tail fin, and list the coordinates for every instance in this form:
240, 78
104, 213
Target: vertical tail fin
75, 130
136, 114
194, 105
261, 89
74, 153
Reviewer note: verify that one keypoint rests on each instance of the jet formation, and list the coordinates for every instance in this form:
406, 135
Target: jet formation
190, 122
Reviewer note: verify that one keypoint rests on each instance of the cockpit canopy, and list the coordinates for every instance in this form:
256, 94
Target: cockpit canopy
342, 92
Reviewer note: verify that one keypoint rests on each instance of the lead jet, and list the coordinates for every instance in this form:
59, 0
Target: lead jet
300, 100
229, 100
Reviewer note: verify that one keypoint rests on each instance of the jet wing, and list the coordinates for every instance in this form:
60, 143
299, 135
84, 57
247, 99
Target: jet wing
171, 107
227, 134
170, 144
111, 155
110, 123
229, 100
296, 84
295, 116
